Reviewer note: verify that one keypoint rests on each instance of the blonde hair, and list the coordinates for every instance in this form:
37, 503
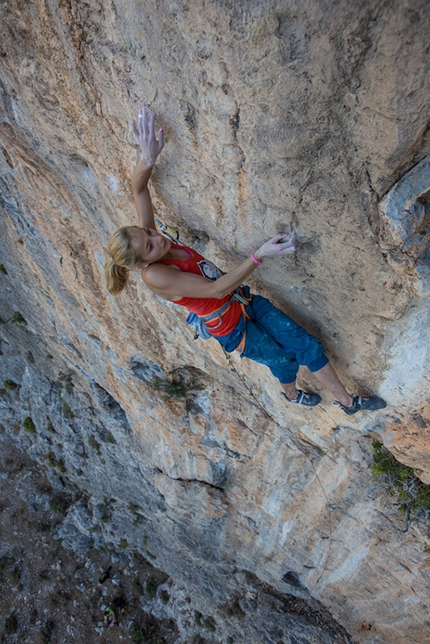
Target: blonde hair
122, 260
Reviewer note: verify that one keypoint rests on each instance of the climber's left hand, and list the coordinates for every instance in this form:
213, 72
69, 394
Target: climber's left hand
144, 132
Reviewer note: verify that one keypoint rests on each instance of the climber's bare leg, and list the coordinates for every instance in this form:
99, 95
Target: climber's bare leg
328, 377
290, 390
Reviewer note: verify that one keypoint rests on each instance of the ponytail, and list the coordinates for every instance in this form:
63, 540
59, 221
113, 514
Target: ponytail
116, 277
122, 260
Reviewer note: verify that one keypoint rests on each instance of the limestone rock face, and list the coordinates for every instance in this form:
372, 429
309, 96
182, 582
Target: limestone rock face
306, 117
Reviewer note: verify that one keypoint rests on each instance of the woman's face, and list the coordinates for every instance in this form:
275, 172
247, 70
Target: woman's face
148, 244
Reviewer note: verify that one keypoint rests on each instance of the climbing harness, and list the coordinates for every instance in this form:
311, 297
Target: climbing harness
198, 322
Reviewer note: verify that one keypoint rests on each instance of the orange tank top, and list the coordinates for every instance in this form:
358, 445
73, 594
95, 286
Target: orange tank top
201, 306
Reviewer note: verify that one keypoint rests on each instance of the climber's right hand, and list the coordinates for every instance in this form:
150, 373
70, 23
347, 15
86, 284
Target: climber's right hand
276, 247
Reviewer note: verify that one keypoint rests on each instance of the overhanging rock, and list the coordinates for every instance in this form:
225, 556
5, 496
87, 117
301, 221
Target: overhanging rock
405, 218
405, 215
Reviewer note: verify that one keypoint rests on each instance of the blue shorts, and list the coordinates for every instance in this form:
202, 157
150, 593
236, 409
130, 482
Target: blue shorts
275, 340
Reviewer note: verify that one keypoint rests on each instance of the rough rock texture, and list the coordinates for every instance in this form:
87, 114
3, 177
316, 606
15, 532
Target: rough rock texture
294, 116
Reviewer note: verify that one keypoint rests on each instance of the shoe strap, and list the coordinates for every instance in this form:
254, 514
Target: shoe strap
355, 400
300, 397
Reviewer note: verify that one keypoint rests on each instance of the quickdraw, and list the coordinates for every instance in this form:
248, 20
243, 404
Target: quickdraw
168, 231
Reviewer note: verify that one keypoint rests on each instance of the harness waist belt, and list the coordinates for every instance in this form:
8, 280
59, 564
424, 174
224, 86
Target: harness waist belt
237, 295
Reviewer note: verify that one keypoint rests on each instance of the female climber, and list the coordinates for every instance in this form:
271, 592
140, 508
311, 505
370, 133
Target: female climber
237, 320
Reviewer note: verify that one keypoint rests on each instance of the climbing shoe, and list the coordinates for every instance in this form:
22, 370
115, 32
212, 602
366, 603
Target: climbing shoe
310, 400
359, 403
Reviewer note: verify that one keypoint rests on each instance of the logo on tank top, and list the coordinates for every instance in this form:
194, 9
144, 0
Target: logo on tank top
209, 270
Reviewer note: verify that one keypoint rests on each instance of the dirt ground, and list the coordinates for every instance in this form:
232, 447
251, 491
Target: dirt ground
48, 596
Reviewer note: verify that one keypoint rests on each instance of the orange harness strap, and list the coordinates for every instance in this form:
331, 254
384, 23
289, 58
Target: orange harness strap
241, 346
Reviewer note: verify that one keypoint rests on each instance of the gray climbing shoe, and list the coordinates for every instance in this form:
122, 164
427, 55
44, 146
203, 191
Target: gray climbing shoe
360, 403
310, 400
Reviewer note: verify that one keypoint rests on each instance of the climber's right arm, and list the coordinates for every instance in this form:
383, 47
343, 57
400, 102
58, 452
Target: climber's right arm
173, 284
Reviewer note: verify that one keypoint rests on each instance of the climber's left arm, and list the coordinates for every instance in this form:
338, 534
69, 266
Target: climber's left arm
150, 149
141, 196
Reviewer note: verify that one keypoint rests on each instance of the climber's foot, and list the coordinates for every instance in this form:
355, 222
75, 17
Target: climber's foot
360, 403
310, 400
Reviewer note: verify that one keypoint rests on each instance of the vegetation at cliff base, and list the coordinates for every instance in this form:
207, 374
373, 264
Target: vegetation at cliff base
146, 631
412, 495
59, 506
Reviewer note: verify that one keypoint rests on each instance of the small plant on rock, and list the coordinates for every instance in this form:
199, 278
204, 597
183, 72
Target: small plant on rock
412, 495
151, 588
164, 596
58, 506
17, 318
28, 425
177, 384
110, 438
55, 462
10, 385
69, 387
94, 444
66, 410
